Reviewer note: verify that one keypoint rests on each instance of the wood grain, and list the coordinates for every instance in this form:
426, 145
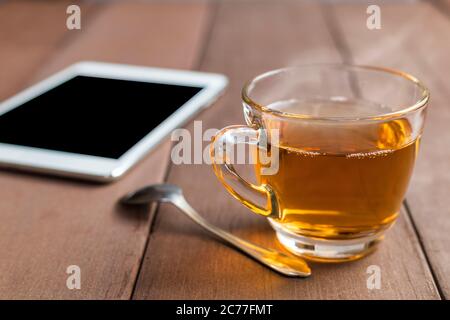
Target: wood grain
47, 224
412, 39
181, 262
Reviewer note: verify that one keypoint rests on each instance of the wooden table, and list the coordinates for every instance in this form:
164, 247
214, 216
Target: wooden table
47, 224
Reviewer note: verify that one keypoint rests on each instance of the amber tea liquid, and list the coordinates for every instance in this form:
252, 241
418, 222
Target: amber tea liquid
342, 180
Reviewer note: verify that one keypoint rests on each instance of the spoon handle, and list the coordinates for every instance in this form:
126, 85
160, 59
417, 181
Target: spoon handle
278, 261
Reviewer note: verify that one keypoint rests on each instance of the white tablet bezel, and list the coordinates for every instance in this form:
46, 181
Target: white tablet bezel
99, 168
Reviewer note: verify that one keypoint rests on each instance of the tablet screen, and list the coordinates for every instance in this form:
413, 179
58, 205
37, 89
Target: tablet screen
93, 116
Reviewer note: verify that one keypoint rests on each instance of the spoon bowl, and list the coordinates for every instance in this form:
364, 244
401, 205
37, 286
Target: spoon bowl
153, 193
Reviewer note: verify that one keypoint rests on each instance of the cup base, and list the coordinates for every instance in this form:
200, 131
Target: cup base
323, 250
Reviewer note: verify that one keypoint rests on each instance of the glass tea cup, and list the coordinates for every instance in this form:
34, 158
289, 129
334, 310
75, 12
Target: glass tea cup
333, 150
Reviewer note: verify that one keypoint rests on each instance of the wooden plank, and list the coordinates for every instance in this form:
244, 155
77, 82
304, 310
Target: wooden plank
30, 32
141, 34
411, 39
47, 224
182, 262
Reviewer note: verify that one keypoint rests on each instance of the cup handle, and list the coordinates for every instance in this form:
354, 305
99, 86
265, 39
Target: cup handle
221, 147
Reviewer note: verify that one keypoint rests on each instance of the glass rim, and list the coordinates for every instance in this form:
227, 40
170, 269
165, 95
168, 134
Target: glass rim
419, 104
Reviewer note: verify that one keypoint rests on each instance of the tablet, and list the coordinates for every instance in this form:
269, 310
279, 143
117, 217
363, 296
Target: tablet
96, 120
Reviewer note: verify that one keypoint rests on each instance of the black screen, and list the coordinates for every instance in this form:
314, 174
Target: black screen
93, 116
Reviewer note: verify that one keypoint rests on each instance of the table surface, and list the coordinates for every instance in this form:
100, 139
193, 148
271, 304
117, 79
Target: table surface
47, 224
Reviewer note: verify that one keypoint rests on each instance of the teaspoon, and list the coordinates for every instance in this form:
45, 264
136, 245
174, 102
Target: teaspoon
276, 260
